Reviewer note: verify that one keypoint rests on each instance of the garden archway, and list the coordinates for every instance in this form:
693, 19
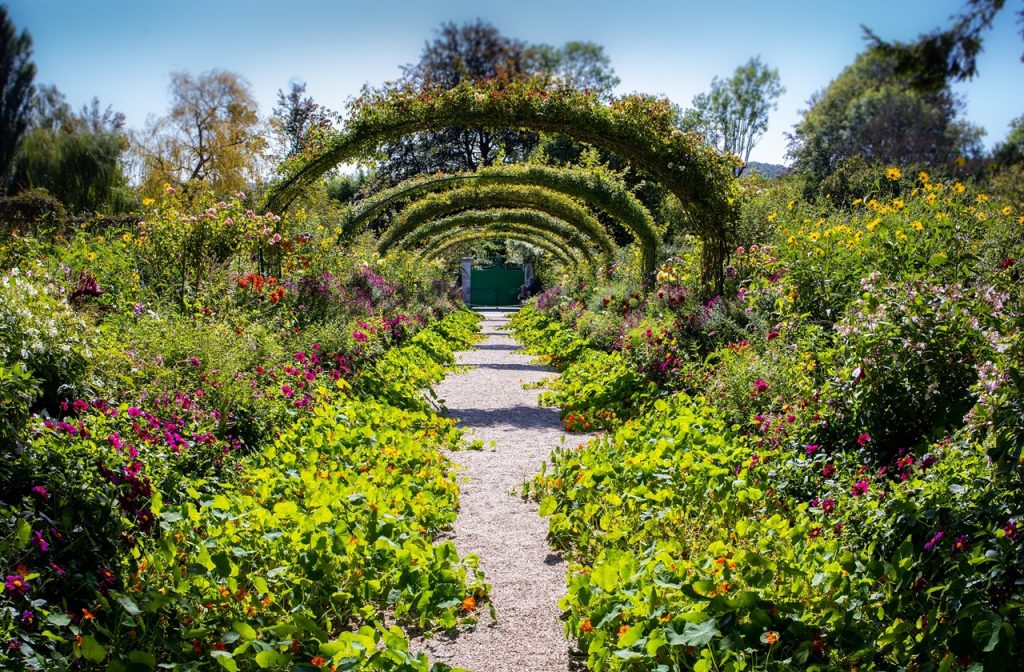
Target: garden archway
523, 219
440, 205
639, 129
589, 186
439, 246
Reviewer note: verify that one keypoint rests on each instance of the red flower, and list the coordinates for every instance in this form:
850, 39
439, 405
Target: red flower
863, 439
860, 488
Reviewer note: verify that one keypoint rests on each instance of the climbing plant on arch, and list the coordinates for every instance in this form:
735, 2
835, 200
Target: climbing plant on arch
442, 245
439, 205
637, 128
594, 188
568, 236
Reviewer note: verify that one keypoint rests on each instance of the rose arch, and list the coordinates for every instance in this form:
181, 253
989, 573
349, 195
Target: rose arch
639, 129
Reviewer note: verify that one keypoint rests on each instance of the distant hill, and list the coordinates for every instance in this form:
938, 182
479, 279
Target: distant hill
769, 170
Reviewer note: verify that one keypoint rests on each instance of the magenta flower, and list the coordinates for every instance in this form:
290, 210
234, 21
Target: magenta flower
773, 334
28, 619
828, 506
931, 544
811, 449
863, 439
860, 488
828, 471
194, 361
760, 385
41, 492
80, 405
16, 585
37, 539
961, 544
287, 391
1010, 529
359, 336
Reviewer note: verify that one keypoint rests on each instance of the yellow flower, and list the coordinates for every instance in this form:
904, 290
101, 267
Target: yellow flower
930, 199
959, 188
873, 224
146, 202
790, 205
897, 203
981, 198
923, 177
90, 256
813, 236
900, 235
1007, 210
893, 174
126, 237
772, 217
961, 161
918, 226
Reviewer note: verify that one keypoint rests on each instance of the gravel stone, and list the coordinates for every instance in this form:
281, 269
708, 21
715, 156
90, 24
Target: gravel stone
507, 534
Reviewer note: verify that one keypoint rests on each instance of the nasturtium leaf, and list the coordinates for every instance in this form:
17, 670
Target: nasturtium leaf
699, 634
92, 650
143, 658
129, 605
246, 631
271, 659
225, 660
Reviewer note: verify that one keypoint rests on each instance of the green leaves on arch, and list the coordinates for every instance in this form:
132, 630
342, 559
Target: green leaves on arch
638, 128
531, 222
442, 244
592, 187
439, 205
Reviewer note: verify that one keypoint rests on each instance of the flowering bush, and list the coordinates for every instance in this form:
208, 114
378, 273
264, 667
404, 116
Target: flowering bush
41, 334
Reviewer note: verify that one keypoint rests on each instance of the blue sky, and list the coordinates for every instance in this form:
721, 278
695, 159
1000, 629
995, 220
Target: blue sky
124, 51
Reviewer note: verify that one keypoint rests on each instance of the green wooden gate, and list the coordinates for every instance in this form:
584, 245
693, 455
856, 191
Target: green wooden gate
495, 286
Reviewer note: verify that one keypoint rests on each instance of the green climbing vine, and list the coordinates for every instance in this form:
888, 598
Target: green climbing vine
596, 189
516, 228
568, 235
638, 128
550, 245
442, 204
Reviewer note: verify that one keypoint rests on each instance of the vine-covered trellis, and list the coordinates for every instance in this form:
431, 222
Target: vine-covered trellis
566, 235
638, 128
594, 188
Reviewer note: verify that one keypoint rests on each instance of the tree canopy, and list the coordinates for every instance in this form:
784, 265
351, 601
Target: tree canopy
17, 73
871, 111
733, 115
212, 134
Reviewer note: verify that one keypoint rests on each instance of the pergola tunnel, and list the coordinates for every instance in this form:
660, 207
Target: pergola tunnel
637, 129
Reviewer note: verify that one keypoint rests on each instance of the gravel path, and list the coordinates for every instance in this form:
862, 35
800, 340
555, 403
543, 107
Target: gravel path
527, 578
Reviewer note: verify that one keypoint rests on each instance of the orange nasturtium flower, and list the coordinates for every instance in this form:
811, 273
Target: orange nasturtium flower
469, 604
586, 626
